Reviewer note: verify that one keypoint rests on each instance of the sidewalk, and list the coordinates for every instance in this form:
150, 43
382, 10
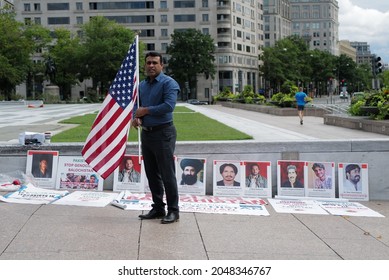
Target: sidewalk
45, 232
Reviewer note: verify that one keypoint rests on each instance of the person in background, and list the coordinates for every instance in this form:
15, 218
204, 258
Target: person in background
300, 97
157, 97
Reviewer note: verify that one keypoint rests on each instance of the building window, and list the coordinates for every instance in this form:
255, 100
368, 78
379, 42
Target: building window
37, 20
58, 20
27, 21
57, 6
205, 31
164, 47
163, 5
164, 32
184, 4
184, 18
150, 47
163, 18
80, 20
204, 3
205, 17
147, 33
79, 6
37, 7
27, 7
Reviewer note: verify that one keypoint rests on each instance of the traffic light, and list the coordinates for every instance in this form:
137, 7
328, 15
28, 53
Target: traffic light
378, 65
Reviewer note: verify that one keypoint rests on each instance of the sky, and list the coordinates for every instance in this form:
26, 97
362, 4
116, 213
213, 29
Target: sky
366, 21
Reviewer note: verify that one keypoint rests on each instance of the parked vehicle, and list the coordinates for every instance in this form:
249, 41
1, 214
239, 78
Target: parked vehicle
197, 102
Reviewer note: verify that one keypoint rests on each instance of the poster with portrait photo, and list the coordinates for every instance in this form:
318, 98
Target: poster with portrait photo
257, 179
320, 178
190, 174
128, 175
290, 178
227, 178
75, 174
353, 181
42, 167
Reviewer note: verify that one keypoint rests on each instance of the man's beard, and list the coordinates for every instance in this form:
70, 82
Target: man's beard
188, 179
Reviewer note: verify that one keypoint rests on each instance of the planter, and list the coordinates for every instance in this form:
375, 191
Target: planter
369, 109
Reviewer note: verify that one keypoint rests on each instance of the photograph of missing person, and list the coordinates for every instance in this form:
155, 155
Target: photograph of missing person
227, 177
290, 178
128, 175
42, 166
257, 179
320, 179
191, 175
353, 181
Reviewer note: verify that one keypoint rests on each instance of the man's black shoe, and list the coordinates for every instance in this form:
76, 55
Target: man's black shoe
153, 214
170, 218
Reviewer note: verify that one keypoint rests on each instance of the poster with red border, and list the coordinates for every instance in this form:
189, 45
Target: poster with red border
353, 181
41, 167
290, 178
128, 175
257, 179
227, 178
320, 179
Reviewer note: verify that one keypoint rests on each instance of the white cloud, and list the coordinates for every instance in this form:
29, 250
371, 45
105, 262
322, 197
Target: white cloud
365, 25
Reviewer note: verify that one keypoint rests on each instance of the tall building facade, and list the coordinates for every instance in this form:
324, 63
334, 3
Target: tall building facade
317, 22
277, 23
235, 26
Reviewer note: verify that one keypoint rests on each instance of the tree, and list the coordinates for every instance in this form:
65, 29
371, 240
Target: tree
104, 46
66, 53
15, 52
192, 53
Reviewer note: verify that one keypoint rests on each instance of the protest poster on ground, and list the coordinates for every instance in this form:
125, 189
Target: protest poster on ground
290, 178
190, 174
29, 194
128, 175
200, 204
297, 206
87, 198
75, 174
41, 167
227, 178
257, 179
353, 181
320, 179
345, 208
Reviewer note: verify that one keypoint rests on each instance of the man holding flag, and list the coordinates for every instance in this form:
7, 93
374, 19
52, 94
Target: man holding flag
157, 97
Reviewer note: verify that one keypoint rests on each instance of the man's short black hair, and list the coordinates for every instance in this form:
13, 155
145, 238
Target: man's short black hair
352, 167
318, 164
230, 165
154, 54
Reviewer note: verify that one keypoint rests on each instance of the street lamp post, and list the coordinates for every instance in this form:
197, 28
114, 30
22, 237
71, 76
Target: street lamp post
217, 70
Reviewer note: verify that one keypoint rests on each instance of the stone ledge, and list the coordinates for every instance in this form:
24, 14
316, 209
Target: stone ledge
359, 123
273, 110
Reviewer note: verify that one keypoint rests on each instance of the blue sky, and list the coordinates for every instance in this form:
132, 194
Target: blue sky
366, 21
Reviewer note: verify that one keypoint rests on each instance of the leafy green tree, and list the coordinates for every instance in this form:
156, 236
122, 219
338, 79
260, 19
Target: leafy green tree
67, 56
105, 44
15, 52
192, 53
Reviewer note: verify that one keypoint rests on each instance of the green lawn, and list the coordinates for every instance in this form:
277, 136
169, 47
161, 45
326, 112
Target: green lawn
191, 126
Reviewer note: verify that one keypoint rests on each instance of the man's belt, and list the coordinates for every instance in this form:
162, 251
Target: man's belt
157, 127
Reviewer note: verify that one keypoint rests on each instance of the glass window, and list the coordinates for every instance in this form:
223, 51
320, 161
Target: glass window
205, 17
79, 6
163, 5
163, 18
27, 7
164, 32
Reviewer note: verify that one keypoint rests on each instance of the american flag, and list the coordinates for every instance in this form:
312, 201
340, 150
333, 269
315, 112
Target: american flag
107, 140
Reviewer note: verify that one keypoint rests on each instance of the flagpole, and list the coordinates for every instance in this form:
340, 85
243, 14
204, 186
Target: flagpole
138, 95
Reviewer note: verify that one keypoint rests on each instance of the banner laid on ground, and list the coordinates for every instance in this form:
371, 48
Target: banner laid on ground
322, 206
199, 204
296, 206
348, 209
28, 194
87, 198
